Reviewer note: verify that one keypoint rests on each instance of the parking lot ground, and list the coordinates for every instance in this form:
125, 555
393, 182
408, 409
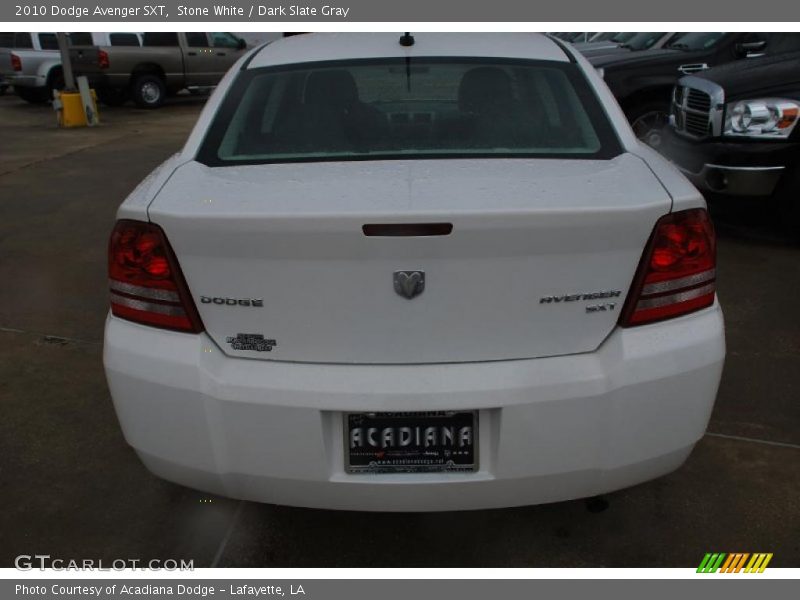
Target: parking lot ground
70, 487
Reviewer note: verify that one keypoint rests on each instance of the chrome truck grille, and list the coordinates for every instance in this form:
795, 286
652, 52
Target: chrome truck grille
697, 108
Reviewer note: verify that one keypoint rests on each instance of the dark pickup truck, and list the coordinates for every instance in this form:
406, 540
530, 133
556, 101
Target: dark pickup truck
166, 63
642, 81
734, 131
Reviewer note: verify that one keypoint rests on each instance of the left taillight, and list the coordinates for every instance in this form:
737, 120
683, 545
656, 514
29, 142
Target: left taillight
16, 62
102, 59
677, 273
145, 280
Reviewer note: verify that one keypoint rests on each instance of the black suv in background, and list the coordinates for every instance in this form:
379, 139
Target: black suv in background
642, 81
735, 131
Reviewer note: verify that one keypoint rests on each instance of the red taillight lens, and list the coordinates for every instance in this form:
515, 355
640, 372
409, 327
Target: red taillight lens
677, 273
102, 59
146, 282
16, 62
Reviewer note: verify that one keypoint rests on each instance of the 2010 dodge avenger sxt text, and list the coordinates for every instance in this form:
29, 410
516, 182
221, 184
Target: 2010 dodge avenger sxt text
422, 273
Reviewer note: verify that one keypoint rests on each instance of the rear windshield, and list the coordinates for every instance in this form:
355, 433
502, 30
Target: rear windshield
642, 41
123, 39
81, 39
423, 108
48, 41
160, 38
604, 37
696, 41
623, 36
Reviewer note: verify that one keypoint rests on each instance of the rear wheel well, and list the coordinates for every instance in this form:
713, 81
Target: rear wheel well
648, 114
54, 72
55, 79
147, 69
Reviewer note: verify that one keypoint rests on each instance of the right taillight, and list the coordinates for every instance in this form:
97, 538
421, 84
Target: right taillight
146, 283
16, 62
677, 273
102, 59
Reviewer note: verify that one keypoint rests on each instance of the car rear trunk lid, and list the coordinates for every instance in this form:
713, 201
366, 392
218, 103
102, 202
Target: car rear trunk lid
538, 261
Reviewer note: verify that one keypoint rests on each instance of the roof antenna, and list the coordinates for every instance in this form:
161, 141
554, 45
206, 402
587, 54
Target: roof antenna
406, 39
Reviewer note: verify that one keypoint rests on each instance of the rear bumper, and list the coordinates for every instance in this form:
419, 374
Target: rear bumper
751, 169
550, 429
26, 81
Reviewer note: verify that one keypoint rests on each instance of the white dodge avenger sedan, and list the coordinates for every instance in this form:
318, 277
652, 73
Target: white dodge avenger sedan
431, 272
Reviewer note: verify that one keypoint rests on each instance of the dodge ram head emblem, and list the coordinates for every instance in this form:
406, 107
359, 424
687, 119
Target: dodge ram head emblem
409, 283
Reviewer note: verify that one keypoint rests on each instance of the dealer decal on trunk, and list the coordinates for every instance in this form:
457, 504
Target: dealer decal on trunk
251, 341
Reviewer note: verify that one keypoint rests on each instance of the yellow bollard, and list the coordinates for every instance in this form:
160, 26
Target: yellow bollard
70, 113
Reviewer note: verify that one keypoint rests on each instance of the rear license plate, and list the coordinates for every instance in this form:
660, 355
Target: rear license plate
411, 442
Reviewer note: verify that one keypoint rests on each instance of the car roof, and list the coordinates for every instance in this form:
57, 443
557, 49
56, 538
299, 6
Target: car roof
314, 47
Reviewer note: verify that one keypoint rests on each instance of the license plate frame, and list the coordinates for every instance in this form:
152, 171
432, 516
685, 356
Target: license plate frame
458, 452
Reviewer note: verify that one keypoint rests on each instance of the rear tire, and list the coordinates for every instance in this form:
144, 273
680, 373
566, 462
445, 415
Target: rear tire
33, 95
648, 120
148, 91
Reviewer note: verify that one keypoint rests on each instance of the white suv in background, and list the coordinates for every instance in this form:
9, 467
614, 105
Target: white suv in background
426, 272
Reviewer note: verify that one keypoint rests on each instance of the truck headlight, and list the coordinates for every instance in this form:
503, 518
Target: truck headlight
764, 118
